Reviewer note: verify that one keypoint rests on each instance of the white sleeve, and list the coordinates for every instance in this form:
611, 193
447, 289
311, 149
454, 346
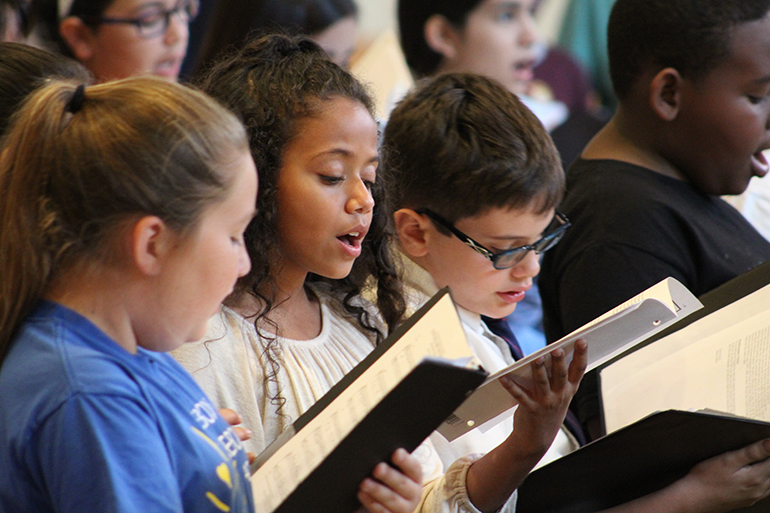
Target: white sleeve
447, 492
225, 367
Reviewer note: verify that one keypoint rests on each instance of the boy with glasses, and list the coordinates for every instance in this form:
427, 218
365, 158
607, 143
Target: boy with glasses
476, 180
117, 39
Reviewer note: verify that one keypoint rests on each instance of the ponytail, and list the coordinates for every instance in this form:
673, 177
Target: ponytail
81, 161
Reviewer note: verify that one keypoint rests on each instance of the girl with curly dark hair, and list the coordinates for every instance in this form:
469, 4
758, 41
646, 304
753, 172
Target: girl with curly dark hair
297, 322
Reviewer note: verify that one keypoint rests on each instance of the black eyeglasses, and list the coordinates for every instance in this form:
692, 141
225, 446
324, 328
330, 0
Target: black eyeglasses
153, 22
510, 257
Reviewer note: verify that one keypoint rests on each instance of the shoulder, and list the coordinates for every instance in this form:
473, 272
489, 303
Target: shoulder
228, 350
615, 202
228, 334
610, 183
57, 353
334, 311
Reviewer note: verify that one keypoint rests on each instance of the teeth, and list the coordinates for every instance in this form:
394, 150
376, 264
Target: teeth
353, 234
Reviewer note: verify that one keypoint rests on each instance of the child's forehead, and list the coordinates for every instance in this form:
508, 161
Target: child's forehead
746, 49
749, 44
510, 222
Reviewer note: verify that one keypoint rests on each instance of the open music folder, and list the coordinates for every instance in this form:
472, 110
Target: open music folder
720, 361
394, 398
607, 336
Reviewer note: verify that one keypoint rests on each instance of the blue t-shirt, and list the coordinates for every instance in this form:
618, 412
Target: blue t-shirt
87, 426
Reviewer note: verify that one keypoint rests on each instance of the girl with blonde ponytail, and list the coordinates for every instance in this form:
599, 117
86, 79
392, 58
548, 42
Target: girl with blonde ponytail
124, 206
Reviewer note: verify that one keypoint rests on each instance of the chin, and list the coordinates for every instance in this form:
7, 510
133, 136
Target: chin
499, 312
519, 88
337, 274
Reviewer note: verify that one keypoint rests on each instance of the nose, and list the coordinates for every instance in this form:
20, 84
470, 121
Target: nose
178, 28
528, 33
244, 262
529, 267
360, 200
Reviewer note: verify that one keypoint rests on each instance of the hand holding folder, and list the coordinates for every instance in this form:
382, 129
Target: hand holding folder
609, 335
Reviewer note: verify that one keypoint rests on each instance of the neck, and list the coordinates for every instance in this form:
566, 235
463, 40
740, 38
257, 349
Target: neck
295, 311
626, 139
99, 296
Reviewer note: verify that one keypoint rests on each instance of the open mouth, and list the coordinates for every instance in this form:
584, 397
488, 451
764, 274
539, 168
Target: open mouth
759, 164
524, 65
352, 239
168, 67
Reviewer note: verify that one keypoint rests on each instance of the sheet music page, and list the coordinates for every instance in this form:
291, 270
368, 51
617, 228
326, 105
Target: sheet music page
720, 362
611, 334
438, 334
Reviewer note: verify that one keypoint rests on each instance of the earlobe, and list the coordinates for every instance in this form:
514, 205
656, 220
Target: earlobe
665, 94
440, 36
149, 244
78, 37
411, 232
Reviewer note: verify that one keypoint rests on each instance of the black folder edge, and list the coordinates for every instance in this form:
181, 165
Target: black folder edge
636, 460
442, 387
404, 418
716, 299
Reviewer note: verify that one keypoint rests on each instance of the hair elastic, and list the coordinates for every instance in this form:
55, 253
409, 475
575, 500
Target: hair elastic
77, 100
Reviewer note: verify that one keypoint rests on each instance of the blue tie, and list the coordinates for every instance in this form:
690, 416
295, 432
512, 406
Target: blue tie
501, 328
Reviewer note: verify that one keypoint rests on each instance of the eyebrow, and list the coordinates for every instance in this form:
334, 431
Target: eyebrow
762, 81
148, 5
344, 153
512, 4
513, 238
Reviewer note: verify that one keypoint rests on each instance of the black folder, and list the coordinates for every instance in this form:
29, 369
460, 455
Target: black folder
636, 460
404, 418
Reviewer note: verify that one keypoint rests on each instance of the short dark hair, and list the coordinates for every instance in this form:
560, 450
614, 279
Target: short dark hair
23, 69
234, 20
692, 36
46, 18
460, 144
422, 60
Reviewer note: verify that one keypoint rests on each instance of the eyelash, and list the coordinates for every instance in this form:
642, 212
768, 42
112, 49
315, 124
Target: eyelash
331, 180
755, 100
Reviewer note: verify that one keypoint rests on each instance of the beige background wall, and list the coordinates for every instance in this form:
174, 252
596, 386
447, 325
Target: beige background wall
379, 15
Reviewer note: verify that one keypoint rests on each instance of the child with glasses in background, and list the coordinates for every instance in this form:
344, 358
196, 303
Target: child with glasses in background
476, 181
118, 38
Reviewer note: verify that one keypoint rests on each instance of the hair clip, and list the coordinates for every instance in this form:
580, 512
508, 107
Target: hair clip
77, 100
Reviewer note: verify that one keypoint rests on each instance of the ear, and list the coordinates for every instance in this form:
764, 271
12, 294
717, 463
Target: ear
151, 240
441, 36
666, 94
410, 227
78, 37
